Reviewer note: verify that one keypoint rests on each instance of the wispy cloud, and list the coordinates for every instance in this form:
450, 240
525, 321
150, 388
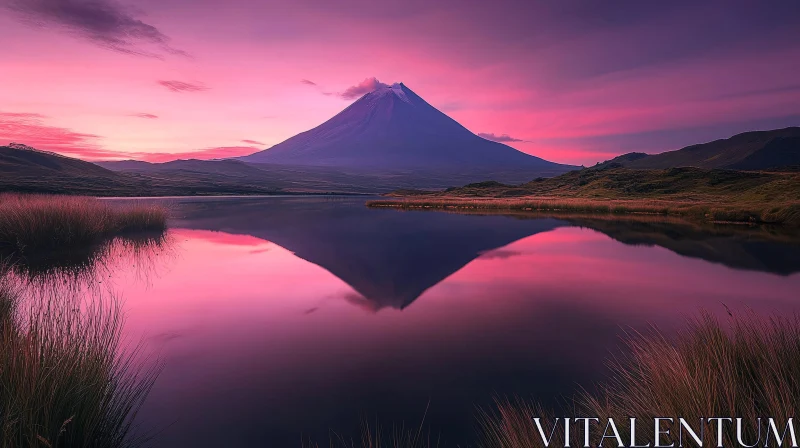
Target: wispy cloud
364, 87
103, 22
182, 86
501, 138
253, 142
307, 82
30, 129
145, 115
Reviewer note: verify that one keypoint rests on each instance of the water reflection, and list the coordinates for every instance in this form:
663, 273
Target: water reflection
755, 248
250, 302
62, 350
69, 272
390, 257
262, 341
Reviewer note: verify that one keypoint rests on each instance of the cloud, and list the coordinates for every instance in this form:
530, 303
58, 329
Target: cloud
181, 86
145, 115
29, 129
253, 142
502, 138
307, 82
364, 87
103, 22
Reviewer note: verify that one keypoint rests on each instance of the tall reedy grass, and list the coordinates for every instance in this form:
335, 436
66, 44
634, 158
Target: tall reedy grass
31, 224
749, 369
66, 378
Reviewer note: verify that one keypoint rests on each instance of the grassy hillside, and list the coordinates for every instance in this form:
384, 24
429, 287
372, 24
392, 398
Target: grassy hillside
28, 170
757, 150
720, 195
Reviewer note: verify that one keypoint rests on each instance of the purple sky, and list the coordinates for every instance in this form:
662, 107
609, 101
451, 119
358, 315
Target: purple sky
570, 81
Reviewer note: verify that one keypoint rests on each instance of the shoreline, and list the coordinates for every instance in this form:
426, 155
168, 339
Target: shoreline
699, 211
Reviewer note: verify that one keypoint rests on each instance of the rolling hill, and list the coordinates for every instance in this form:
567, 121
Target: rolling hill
25, 169
757, 150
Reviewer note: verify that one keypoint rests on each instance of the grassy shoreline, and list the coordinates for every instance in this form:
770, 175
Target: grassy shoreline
703, 211
690, 193
35, 224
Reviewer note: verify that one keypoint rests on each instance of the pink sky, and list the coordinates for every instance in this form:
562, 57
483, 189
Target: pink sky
572, 82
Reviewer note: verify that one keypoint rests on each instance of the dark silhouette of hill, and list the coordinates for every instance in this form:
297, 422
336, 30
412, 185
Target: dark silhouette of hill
25, 169
28, 170
757, 150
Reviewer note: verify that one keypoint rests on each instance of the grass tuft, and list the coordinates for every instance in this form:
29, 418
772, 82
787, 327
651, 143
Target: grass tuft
31, 224
748, 369
65, 380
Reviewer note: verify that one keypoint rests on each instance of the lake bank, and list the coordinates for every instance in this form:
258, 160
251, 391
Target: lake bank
690, 193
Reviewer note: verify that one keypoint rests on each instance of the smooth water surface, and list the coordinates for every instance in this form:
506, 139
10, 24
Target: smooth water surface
279, 318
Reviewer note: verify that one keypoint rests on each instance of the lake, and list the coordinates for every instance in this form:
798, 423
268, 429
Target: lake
289, 317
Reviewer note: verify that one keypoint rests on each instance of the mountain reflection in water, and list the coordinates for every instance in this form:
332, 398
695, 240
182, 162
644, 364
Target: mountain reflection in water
252, 311
391, 257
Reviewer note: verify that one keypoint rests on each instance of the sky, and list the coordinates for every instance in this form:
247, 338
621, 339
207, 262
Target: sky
570, 81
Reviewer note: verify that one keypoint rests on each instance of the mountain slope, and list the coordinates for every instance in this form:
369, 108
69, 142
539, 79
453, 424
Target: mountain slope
393, 128
756, 150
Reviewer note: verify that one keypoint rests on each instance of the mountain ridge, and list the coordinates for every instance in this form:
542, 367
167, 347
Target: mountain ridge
753, 150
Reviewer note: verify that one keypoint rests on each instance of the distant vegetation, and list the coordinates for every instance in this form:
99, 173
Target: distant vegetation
36, 224
713, 195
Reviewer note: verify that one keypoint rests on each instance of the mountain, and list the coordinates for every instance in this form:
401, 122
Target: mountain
758, 150
393, 128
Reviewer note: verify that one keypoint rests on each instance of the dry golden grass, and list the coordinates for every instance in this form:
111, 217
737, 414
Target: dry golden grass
31, 224
707, 210
747, 369
65, 380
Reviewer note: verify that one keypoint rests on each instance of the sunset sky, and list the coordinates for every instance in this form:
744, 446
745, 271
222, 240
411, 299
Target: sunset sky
570, 81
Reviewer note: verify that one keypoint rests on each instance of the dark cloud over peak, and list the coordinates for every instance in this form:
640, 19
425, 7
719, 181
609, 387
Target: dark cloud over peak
308, 82
502, 138
253, 142
146, 115
182, 86
103, 22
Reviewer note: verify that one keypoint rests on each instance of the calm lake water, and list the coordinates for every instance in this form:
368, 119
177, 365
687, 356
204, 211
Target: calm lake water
278, 318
